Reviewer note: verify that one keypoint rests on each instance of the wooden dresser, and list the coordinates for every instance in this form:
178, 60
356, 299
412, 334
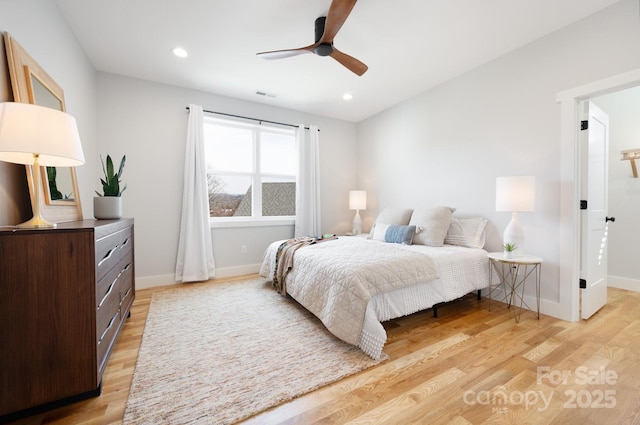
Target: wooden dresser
64, 295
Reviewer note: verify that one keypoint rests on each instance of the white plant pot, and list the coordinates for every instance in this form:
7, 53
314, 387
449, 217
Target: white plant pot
107, 207
508, 255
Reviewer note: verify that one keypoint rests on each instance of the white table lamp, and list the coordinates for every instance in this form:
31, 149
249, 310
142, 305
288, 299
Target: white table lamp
515, 194
357, 201
38, 136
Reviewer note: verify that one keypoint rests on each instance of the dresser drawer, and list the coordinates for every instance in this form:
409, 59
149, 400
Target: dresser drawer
112, 290
106, 338
126, 292
111, 249
110, 305
111, 284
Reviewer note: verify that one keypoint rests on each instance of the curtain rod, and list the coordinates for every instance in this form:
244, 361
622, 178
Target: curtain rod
250, 118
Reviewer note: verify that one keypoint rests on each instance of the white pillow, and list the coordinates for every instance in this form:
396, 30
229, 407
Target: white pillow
379, 231
397, 216
468, 232
433, 224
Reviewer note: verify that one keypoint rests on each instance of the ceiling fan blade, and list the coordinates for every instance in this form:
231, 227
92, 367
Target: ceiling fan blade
287, 53
351, 63
338, 13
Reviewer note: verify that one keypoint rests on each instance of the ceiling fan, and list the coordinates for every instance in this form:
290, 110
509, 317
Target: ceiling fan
326, 29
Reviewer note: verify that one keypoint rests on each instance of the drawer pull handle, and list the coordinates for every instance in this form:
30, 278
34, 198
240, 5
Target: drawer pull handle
126, 242
126, 293
108, 291
109, 254
127, 267
113, 319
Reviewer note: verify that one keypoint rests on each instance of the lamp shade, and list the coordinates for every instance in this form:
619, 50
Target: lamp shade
516, 194
358, 200
27, 130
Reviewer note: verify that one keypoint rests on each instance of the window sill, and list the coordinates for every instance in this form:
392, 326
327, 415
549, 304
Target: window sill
251, 222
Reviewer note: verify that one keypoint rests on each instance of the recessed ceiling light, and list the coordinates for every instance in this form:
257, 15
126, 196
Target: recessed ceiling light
347, 96
180, 52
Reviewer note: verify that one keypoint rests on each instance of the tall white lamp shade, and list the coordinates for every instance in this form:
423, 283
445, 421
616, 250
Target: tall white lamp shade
357, 201
515, 194
38, 136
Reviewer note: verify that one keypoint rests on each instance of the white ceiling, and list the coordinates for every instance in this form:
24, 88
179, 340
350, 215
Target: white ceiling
409, 45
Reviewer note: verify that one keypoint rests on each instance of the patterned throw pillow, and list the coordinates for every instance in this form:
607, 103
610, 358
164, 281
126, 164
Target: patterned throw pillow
400, 234
467, 232
393, 233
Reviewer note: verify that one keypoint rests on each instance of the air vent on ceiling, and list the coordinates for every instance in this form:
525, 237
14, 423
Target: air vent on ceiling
261, 93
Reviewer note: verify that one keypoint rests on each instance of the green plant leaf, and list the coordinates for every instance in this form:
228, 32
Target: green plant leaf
122, 161
111, 182
109, 168
509, 247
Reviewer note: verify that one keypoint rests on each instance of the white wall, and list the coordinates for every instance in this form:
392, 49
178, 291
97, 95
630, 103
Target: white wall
147, 122
623, 109
40, 28
447, 146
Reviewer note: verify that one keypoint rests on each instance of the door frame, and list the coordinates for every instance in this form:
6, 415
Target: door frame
569, 231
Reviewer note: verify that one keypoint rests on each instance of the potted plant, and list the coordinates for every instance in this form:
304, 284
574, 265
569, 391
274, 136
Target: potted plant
108, 205
509, 249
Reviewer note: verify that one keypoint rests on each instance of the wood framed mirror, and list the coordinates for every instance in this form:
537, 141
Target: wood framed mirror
31, 84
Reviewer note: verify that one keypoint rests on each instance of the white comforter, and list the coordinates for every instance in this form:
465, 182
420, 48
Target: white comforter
345, 283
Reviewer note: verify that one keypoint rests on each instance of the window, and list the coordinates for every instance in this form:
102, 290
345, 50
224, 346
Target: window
250, 171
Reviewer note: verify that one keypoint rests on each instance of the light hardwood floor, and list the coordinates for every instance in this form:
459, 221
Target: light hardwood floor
468, 366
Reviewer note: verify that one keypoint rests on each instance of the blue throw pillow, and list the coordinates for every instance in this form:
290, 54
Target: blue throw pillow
400, 234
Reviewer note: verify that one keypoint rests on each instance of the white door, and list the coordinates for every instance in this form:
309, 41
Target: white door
594, 146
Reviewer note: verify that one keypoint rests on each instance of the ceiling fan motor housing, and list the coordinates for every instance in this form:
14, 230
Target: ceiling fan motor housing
320, 27
324, 49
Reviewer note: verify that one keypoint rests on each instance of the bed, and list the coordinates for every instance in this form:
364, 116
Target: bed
352, 284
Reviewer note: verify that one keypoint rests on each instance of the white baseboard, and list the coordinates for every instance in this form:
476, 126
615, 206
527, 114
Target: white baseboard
153, 281
554, 309
547, 307
238, 270
170, 279
624, 283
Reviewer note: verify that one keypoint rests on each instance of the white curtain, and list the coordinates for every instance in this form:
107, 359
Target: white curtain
195, 251
308, 182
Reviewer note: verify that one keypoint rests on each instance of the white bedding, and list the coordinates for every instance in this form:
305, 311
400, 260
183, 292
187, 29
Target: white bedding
458, 271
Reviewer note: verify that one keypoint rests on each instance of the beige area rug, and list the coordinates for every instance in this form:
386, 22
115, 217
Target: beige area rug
220, 353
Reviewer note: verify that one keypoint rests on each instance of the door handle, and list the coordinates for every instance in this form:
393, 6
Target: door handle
611, 219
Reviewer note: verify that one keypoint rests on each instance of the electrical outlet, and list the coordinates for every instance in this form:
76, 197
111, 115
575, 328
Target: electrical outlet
243, 249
